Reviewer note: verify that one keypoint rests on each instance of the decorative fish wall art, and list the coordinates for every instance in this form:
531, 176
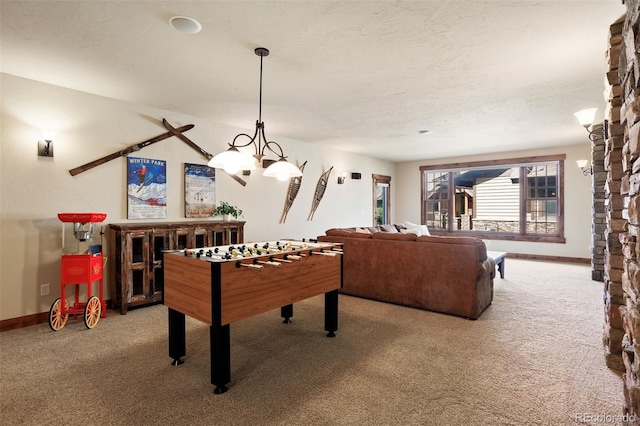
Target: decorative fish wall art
292, 192
321, 187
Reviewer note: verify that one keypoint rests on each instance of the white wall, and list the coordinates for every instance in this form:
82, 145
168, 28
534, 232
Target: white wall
577, 200
34, 189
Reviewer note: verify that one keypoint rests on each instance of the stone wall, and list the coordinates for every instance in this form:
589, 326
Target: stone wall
622, 160
613, 331
598, 196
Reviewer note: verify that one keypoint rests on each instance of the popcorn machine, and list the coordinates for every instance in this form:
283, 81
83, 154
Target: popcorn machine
81, 264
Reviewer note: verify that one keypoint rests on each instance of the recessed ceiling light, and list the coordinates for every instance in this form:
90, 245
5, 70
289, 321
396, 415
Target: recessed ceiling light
424, 132
185, 24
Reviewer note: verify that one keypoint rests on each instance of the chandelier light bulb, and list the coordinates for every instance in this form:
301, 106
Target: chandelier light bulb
231, 168
282, 176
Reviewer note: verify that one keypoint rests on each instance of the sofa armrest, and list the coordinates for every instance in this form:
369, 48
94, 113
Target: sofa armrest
488, 265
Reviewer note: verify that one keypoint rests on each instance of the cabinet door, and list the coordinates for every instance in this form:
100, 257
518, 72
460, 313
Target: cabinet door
159, 242
219, 237
235, 235
136, 259
181, 239
200, 238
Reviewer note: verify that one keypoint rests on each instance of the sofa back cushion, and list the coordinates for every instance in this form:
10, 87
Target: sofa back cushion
345, 233
477, 242
396, 236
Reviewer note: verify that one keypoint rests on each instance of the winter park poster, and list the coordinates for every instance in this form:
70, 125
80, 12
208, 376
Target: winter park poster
146, 188
199, 190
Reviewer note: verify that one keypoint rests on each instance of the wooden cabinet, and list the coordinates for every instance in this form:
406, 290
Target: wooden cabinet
135, 253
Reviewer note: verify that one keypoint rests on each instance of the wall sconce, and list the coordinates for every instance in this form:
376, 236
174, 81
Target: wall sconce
583, 166
585, 118
342, 177
45, 146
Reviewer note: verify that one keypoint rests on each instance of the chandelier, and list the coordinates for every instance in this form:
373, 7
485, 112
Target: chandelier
232, 160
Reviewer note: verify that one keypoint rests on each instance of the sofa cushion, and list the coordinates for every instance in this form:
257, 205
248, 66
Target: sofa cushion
389, 228
416, 228
477, 242
334, 232
397, 236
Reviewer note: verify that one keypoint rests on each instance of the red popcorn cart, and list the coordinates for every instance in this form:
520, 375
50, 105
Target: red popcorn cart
81, 264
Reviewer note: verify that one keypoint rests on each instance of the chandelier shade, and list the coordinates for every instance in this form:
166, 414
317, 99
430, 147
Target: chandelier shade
232, 160
282, 170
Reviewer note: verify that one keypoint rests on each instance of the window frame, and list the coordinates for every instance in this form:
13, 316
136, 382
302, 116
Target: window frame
522, 235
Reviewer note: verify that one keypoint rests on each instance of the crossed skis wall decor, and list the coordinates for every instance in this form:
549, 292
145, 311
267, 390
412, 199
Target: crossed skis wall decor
294, 183
172, 131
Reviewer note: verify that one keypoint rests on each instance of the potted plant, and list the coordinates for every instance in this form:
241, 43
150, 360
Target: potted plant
225, 209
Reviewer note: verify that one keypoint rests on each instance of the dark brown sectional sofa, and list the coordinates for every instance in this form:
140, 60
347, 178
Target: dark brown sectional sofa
451, 275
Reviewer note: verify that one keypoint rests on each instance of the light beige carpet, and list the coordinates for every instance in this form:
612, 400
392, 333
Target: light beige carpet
534, 357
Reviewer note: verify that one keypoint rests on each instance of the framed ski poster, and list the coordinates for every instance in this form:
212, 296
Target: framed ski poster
146, 188
199, 190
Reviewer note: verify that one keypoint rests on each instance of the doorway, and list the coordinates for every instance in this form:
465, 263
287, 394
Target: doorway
381, 199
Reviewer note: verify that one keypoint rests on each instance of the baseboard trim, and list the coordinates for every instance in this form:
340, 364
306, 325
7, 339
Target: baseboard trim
29, 320
546, 258
25, 321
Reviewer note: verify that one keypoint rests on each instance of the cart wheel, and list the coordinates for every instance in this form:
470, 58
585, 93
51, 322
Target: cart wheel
56, 319
92, 311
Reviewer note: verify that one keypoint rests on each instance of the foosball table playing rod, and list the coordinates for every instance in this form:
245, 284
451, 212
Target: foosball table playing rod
326, 253
268, 262
249, 265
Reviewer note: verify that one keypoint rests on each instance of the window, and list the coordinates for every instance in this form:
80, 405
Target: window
518, 199
381, 199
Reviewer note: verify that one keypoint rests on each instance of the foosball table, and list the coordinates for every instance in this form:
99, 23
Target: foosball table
224, 284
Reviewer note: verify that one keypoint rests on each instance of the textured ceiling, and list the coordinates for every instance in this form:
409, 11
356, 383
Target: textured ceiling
363, 76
